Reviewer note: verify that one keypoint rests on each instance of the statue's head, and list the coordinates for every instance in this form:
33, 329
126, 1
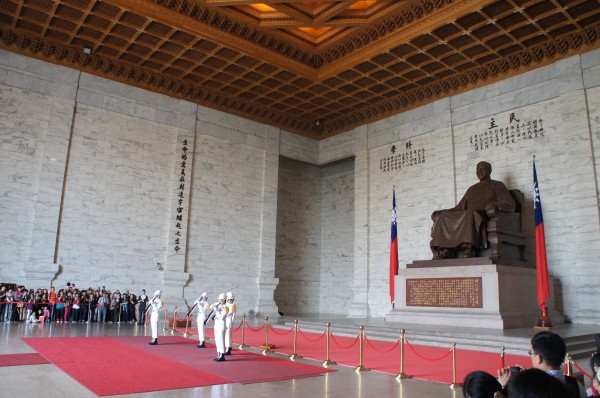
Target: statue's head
484, 170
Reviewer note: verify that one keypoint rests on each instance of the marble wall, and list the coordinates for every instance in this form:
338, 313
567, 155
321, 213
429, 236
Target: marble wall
93, 189
562, 99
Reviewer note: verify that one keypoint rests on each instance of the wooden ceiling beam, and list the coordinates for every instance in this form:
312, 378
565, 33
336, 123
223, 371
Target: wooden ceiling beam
171, 18
421, 26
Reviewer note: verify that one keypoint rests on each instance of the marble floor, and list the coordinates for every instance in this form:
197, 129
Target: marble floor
40, 380
36, 380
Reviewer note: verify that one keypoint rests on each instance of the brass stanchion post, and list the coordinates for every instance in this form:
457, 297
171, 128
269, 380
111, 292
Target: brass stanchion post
502, 359
454, 384
119, 320
166, 322
242, 345
174, 321
568, 365
402, 375
266, 347
328, 362
360, 367
295, 355
187, 323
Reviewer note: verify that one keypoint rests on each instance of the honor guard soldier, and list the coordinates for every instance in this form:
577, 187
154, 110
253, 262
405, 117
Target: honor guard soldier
220, 314
229, 322
155, 305
203, 314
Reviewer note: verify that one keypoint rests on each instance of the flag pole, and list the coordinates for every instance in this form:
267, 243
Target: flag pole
393, 249
541, 263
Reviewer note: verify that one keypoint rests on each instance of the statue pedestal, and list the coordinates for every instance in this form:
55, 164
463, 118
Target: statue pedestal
474, 292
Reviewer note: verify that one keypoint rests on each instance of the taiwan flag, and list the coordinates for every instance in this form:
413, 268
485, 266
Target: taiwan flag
541, 265
393, 248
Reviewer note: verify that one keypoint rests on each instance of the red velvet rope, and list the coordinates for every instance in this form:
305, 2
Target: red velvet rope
310, 340
255, 330
344, 347
278, 333
425, 358
589, 376
239, 326
382, 351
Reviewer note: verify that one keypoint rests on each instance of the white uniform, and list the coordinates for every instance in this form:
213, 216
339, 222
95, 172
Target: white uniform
219, 328
155, 305
203, 310
229, 325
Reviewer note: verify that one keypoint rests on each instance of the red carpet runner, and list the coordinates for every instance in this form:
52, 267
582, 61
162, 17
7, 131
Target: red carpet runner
125, 365
22, 359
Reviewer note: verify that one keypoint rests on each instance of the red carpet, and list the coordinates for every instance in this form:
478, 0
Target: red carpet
22, 359
241, 367
129, 365
422, 362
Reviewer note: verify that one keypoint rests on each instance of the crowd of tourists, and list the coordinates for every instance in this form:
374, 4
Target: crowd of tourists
70, 304
544, 379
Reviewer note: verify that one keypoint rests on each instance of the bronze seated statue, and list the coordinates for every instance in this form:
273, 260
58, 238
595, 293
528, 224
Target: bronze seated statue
486, 222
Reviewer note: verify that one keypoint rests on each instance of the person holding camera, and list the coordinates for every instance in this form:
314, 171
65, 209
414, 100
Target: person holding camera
594, 390
547, 353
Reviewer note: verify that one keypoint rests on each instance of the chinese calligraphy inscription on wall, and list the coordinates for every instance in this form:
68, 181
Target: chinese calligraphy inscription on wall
180, 196
444, 292
497, 134
397, 160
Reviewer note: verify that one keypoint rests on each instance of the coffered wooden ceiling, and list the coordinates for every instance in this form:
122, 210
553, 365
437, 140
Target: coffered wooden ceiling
316, 68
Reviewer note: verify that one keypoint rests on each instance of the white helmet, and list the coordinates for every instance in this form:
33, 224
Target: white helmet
230, 296
204, 296
222, 296
157, 293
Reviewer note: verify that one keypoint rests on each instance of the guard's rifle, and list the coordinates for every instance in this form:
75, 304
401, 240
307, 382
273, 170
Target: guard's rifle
191, 309
150, 306
208, 316
215, 307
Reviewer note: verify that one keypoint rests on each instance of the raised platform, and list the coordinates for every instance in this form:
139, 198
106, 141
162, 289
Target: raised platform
580, 339
474, 292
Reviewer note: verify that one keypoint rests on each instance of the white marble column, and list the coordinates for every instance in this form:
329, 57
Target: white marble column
174, 272
42, 267
360, 283
266, 274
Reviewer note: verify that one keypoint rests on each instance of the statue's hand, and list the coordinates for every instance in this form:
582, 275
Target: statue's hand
435, 214
492, 206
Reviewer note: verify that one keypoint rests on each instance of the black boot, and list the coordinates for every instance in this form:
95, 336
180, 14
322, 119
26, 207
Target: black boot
220, 358
201, 345
228, 351
153, 342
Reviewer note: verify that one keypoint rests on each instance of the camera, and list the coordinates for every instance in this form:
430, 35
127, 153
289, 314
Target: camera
515, 370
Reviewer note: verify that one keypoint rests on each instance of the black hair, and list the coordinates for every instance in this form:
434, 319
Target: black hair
535, 383
595, 360
480, 384
550, 346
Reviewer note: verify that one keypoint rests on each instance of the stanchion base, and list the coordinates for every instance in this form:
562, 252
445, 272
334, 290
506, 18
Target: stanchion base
172, 331
266, 348
403, 376
328, 363
361, 368
186, 335
455, 386
293, 357
242, 346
